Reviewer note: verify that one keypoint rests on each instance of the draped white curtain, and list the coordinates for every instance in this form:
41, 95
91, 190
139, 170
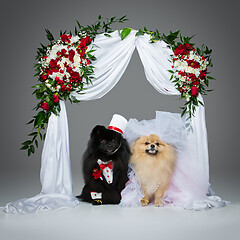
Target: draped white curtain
113, 56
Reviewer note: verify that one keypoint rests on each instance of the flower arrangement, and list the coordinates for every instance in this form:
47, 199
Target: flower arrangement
189, 67
64, 66
190, 74
63, 69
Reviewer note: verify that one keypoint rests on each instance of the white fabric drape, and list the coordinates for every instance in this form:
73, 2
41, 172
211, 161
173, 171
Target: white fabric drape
55, 174
113, 56
155, 58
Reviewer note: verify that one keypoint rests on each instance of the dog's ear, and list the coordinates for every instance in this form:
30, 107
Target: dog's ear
97, 130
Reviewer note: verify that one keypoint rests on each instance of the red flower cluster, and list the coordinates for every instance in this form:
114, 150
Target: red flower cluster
44, 106
183, 49
189, 82
193, 63
96, 173
192, 80
66, 38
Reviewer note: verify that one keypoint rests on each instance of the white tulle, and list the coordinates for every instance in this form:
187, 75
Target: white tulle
188, 188
113, 56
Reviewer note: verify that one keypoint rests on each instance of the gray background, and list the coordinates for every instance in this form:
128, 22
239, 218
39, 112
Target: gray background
215, 23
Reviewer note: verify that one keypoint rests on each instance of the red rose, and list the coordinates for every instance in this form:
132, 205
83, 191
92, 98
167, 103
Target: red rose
180, 50
88, 40
85, 41
66, 38
63, 88
71, 55
44, 106
53, 63
202, 75
69, 87
195, 83
44, 76
75, 76
82, 53
56, 98
194, 91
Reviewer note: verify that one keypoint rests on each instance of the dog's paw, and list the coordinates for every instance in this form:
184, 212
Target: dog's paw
158, 204
144, 202
96, 202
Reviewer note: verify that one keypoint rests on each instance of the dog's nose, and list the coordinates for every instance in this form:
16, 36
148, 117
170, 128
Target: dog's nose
152, 146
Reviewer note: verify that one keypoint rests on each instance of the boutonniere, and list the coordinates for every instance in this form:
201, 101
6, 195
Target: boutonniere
96, 173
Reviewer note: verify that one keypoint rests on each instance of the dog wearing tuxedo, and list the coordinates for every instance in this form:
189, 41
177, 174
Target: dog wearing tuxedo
105, 163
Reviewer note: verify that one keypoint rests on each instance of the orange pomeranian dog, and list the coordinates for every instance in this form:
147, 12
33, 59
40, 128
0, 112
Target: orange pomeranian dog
154, 163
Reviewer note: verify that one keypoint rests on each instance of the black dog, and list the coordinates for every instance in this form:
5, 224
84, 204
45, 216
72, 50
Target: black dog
105, 166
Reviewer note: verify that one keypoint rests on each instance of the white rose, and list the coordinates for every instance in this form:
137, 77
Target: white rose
183, 79
189, 70
76, 58
74, 39
48, 85
177, 63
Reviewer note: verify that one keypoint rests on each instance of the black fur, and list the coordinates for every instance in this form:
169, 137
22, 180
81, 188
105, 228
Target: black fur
102, 145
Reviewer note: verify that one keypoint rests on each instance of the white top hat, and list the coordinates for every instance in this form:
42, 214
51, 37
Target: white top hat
118, 123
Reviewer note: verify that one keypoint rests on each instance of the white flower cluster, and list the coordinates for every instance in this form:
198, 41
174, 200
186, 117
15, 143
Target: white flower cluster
182, 65
62, 61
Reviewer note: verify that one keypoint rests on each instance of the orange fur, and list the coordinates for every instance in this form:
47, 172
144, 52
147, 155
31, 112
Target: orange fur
153, 170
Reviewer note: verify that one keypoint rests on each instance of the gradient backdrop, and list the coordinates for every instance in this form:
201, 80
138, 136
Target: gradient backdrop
215, 23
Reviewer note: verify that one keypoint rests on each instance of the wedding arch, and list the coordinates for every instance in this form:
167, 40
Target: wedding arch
109, 60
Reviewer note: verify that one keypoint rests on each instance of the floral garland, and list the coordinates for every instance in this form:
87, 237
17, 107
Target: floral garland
189, 67
64, 66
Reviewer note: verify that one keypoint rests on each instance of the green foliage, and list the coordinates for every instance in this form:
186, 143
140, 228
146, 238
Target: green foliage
124, 32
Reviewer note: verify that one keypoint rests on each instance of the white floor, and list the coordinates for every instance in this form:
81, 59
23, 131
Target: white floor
115, 222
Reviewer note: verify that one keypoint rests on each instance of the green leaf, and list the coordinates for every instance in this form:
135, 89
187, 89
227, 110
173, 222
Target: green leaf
201, 103
76, 101
32, 148
36, 143
212, 78
33, 134
139, 33
125, 32
107, 35
49, 35
40, 135
184, 111
24, 147
39, 118
31, 121
27, 142
29, 152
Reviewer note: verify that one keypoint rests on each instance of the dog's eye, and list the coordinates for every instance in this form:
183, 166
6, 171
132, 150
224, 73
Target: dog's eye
157, 143
146, 143
113, 140
103, 141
